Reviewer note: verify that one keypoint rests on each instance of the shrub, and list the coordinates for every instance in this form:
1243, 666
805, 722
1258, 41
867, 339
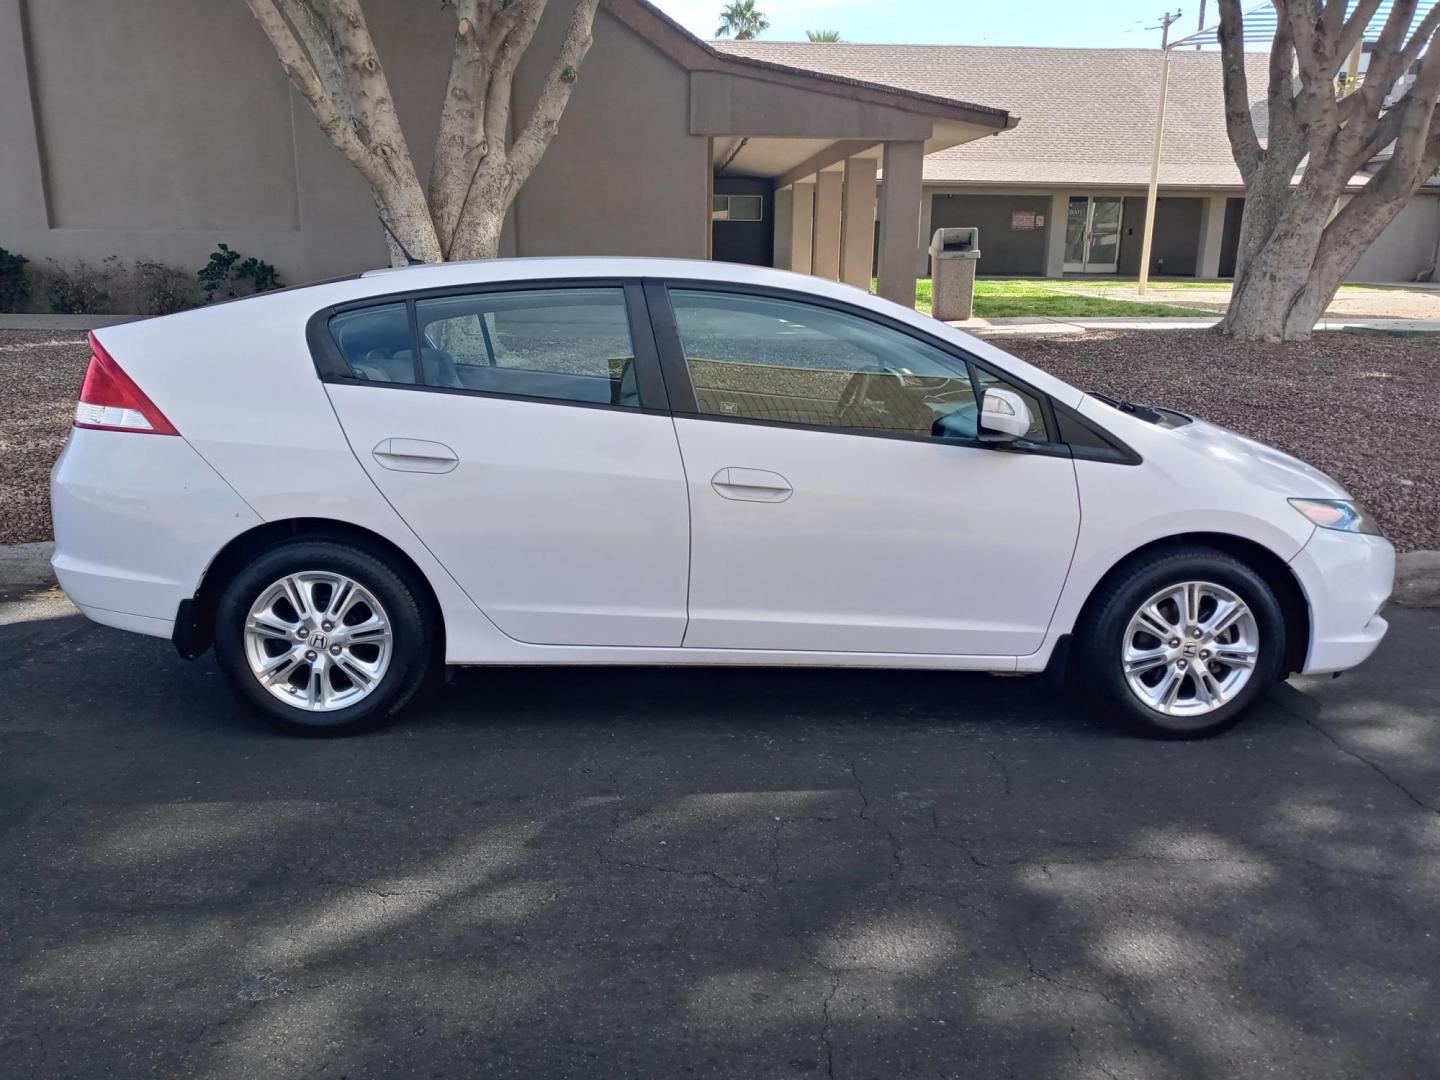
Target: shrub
228, 269
14, 286
77, 288
161, 289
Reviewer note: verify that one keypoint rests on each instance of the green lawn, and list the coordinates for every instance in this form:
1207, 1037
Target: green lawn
999, 297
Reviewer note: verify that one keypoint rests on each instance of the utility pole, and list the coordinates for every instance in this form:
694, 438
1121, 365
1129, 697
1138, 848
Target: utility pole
1200, 26
1152, 193
1165, 21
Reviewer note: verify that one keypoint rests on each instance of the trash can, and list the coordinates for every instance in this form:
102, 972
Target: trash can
953, 254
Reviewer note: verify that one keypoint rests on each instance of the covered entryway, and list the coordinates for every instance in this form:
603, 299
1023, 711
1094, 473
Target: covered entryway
829, 159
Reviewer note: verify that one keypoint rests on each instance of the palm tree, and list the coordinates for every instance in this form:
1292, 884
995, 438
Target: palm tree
823, 35
739, 19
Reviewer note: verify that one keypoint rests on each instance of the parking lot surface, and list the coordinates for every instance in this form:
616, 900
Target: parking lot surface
710, 873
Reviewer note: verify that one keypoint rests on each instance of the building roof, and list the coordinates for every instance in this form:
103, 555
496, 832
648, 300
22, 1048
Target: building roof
696, 54
1087, 116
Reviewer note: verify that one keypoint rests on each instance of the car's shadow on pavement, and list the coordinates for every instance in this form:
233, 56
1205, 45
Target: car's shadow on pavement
732, 872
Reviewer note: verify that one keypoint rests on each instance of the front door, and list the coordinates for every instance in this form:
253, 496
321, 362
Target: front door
1092, 234
529, 449
827, 515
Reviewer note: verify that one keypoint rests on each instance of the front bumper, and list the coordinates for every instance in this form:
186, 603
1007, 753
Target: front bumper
1347, 579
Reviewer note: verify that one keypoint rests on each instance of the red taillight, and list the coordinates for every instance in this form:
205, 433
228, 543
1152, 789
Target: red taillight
110, 400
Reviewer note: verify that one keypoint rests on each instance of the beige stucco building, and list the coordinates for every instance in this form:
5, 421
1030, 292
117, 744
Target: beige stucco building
1064, 193
157, 128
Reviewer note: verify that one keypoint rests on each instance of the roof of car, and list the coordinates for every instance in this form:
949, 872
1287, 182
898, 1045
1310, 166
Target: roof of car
553, 267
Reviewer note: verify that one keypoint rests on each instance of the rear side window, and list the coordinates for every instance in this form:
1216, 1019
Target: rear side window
376, 343
560, 344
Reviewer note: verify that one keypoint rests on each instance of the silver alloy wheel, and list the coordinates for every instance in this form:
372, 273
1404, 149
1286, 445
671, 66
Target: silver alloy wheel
317, 640
1190, 649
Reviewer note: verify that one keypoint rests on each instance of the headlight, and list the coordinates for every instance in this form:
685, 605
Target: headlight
1337, 514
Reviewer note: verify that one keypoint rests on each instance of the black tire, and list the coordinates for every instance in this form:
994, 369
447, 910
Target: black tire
411, 623
1100, 638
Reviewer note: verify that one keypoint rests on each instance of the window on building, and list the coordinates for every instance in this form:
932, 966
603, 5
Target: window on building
738, 208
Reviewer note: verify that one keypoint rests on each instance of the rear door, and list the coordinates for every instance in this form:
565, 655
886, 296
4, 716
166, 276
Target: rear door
840, 497
528, 444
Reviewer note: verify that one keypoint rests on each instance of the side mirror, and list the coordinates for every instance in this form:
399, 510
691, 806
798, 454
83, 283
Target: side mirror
1004, 416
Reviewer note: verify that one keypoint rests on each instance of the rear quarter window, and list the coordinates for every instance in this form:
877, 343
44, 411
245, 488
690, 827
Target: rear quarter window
376, 343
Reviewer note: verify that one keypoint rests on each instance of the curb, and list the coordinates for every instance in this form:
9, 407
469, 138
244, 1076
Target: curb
1417, 573
1417, 579
63, 322
26, 566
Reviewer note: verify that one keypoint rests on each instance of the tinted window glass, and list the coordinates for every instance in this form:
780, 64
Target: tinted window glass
770, 359
376, 343
566, 344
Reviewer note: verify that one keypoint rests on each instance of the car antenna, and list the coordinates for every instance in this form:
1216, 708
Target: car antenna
410, 260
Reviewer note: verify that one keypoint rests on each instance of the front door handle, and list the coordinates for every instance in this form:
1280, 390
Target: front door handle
415, 455
751, 485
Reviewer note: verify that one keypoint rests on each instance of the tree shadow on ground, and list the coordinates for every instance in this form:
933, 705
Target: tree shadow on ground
566, 872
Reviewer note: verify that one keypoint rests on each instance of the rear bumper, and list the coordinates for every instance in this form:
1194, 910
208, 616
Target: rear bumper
138, 518
1347, 580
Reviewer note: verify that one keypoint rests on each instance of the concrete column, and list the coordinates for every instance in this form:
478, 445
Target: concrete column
1054, 234
1212, 235
784, 209
857, 223
802, 225
927, 230
826, 261
900, 220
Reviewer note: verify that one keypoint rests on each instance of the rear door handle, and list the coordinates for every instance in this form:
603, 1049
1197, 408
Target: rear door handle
751, 485
415, 455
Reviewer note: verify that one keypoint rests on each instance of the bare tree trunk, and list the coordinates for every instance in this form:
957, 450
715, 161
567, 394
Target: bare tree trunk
326, 49
1292, 255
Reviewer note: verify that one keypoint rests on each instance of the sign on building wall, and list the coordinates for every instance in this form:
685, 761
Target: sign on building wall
1025, 220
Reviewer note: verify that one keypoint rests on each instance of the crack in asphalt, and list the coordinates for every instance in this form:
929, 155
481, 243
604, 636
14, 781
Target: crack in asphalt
825, 1022
1004, 769
895, 854
685, 872
1379, 770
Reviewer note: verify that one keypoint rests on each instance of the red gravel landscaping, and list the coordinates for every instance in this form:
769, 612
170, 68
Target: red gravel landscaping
1365, 409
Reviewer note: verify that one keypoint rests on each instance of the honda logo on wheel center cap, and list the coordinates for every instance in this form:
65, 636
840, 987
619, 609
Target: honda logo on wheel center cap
317, 641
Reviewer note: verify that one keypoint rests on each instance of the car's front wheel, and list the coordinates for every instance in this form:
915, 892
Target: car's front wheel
322, 636
1180, 644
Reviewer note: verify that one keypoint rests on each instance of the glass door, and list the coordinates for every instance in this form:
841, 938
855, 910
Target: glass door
1092, 234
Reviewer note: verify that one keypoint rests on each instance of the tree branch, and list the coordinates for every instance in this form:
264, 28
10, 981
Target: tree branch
560, 82
322, 99
1239, 123
460, 140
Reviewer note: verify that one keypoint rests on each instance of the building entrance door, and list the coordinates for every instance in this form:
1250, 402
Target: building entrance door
1092, 234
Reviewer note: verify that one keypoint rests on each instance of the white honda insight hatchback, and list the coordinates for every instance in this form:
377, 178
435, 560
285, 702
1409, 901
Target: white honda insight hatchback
642, 461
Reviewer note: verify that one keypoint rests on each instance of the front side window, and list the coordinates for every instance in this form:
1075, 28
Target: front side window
562, 344
762, 358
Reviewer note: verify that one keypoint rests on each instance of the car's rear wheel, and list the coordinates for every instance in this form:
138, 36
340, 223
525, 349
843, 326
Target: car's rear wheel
1180, 644
322, 636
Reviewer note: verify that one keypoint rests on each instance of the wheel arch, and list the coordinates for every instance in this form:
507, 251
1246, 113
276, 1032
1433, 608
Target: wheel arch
1275, 571
195, 622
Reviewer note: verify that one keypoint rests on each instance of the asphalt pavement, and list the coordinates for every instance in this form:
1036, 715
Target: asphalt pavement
722, 873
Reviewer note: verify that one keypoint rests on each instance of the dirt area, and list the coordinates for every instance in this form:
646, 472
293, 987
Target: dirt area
40, 376
1365, 409
1352, 301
